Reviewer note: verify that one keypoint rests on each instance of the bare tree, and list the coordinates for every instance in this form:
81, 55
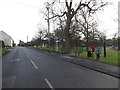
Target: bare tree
90, 5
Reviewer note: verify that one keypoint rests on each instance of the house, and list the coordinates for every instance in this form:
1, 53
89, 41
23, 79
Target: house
8, 41
2, 44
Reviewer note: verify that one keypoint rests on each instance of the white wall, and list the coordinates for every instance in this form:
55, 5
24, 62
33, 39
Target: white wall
6, 38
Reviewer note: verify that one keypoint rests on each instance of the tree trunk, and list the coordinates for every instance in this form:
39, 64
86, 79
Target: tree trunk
118, 43
67, 35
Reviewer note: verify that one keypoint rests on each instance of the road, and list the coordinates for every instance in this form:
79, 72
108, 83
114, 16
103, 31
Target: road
26, 68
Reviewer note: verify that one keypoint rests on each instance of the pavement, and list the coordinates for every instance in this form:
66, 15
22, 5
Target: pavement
94, 65
29, 68
108, 49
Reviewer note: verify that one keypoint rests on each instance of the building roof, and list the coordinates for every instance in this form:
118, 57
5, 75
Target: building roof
6, 34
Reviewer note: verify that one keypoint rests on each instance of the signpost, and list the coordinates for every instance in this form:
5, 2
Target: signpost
78, 51
98, 51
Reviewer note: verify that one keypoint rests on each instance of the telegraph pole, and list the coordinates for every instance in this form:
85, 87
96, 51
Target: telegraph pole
27, 38
48, 25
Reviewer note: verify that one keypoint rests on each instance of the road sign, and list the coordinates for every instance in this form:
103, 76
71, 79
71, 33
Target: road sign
98, 50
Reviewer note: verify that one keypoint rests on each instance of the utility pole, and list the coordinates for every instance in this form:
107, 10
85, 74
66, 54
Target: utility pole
48, 25
27, 38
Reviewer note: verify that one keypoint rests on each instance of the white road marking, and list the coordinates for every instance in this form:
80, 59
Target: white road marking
49, 84
34, 64
15, 60
11, 81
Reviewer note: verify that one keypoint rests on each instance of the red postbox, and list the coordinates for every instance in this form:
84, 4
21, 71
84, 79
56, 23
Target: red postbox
92, 48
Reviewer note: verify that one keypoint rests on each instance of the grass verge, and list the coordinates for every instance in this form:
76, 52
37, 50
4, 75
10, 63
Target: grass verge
112, 57
4, 51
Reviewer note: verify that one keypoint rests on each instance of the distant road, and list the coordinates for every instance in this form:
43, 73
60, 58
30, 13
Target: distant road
26, 68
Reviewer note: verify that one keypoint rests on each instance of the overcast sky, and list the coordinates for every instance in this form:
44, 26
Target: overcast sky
20, 18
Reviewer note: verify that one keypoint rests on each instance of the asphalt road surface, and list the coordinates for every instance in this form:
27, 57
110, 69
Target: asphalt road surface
26, 68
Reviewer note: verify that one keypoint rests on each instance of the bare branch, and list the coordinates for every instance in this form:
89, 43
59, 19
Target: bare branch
71, 3
91, 10
66, 4
58, 15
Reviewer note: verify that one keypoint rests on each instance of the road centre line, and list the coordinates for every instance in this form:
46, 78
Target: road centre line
29, 56
34, 64
49, 84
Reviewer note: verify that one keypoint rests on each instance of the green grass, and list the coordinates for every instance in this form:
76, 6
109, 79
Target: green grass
3, 51
46, 48
114, 49
112, 57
